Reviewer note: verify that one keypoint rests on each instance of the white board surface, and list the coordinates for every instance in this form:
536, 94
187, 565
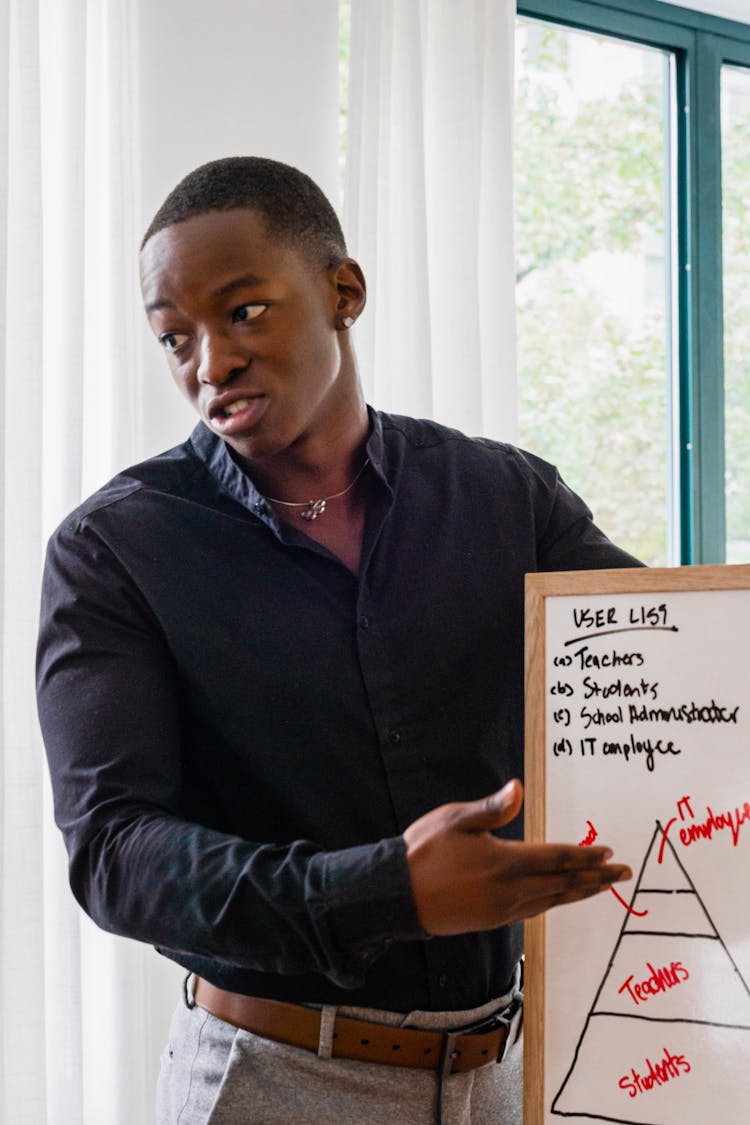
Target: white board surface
647, 750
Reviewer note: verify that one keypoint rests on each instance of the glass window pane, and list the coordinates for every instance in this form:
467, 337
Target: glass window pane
593, 163
735, 140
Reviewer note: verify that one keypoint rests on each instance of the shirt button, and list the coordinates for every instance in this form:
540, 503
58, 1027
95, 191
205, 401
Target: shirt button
443, 980
394, 737
364, 622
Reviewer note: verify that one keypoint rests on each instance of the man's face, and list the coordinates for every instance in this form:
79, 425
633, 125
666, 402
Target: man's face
250, 330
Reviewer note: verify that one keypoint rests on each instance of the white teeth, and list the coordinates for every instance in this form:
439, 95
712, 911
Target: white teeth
235, 407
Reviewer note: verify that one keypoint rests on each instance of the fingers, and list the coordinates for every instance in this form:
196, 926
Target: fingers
563, 882
490, 812
542, 892
538, 859
546, 901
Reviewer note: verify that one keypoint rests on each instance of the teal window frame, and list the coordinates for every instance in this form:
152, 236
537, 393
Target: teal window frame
701, 44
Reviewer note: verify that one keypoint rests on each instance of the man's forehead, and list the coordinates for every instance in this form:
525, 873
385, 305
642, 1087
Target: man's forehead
210, 230
210, 247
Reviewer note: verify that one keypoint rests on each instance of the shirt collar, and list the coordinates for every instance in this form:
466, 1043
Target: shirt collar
214, 452
375, 448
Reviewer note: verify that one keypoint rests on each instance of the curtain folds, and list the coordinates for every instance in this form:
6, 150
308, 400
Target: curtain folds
429, 207
70, 386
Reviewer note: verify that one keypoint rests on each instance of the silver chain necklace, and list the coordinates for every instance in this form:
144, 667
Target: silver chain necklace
311, 509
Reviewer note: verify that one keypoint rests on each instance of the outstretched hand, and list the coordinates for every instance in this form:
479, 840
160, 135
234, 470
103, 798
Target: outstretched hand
464, 879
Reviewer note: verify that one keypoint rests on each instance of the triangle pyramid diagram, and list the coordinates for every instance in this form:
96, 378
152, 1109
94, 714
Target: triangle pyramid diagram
667, 1038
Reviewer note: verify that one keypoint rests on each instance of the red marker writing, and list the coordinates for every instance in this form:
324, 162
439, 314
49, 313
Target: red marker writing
586, 842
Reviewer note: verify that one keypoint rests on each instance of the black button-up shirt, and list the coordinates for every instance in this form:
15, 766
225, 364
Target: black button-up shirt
239, 729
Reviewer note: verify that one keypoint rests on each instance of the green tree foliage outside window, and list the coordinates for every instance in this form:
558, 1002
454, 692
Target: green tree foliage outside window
594, 389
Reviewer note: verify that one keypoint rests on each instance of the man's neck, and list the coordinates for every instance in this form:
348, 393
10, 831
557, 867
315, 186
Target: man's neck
321, 464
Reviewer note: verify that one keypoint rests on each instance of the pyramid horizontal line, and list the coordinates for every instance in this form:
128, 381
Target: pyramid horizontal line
674, 1019
665, 891
591, 1116
667, 933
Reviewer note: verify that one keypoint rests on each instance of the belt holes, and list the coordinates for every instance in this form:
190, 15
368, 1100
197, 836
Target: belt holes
485, 1051
428, 1050
364, 1042
336, 1035
395, 1046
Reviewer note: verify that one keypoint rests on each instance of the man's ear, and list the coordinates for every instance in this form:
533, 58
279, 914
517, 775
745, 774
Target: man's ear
351, 292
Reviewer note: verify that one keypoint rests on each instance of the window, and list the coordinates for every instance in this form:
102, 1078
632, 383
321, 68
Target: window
633, 254
594, 181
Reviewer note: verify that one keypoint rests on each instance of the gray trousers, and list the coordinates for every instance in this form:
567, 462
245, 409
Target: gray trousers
211, 1072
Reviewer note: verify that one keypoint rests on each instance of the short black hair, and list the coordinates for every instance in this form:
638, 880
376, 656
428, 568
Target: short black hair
295, 210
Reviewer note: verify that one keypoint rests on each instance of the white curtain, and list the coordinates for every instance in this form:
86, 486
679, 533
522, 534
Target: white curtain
73, 1014
428, 207
104, 104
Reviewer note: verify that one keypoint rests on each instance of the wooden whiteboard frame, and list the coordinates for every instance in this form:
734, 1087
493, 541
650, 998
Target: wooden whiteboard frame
539, 587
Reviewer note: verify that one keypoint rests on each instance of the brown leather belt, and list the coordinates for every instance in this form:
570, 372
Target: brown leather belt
355, 1039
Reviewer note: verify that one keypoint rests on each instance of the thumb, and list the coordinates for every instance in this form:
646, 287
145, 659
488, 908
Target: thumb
492, 811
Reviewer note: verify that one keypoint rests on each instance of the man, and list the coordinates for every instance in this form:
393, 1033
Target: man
280, 683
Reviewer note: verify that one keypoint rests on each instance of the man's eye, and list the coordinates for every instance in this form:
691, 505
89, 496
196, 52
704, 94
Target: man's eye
171, 341
248, 312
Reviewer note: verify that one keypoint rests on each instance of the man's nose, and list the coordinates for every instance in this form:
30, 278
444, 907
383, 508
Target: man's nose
219, 359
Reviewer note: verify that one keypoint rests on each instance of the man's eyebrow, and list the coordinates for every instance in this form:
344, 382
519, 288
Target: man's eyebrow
159, 303
243, 282
246, 280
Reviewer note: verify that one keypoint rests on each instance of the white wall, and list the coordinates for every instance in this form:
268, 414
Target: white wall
224, 78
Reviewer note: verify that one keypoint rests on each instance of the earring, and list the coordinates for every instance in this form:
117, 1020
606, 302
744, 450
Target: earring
347, 321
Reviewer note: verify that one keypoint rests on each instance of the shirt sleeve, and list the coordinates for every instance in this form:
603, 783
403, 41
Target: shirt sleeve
567, 537
108, 697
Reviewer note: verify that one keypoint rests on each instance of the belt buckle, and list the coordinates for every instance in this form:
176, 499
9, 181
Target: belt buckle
511, 1018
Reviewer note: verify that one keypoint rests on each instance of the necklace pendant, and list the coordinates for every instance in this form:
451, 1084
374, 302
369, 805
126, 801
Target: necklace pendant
312, 510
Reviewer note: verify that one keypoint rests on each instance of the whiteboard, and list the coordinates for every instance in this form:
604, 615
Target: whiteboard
638, 737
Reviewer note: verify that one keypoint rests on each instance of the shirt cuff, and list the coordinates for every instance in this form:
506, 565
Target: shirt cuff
361, 901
